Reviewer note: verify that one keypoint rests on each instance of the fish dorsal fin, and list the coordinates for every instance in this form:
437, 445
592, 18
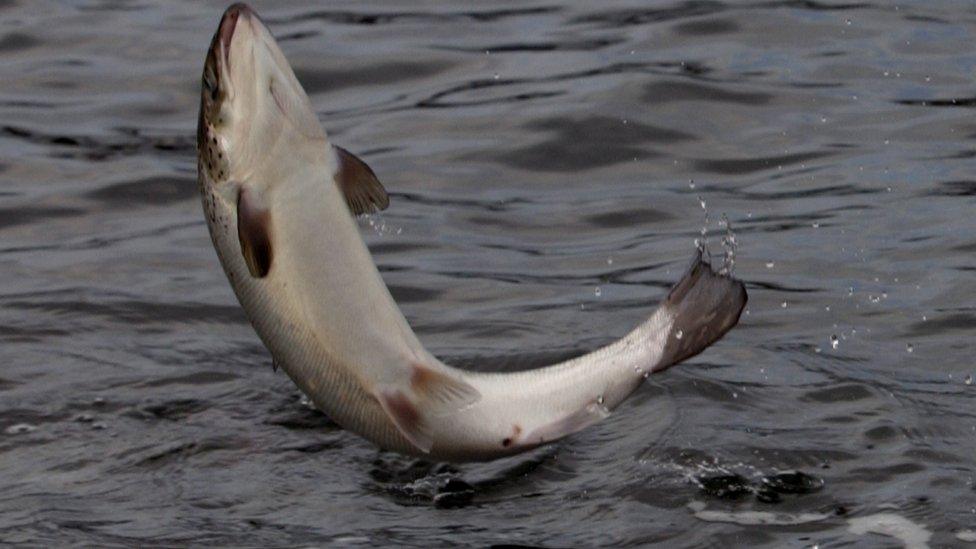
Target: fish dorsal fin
430, 393
363, 191
254, 233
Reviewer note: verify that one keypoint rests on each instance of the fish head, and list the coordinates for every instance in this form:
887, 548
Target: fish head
250, 100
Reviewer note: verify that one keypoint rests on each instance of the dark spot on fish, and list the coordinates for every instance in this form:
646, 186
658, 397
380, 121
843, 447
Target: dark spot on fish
507, 442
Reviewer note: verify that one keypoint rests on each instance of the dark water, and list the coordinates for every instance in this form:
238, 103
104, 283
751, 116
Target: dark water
535, 152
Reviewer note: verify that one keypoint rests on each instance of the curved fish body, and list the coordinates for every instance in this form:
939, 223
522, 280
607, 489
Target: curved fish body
281, 201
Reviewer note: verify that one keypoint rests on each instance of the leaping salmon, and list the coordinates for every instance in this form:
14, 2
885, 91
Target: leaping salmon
281, 201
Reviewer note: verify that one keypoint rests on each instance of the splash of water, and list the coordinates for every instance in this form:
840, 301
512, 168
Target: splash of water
729, 242
730, 245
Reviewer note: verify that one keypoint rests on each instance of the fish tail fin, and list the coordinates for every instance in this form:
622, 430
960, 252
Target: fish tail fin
704, 305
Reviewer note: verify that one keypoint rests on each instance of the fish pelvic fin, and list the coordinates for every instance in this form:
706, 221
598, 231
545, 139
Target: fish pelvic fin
703, 305
429, 393
407, 418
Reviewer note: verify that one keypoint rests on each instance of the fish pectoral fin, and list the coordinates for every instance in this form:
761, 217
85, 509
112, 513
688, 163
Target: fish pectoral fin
363, 191
254, 233
441, 393
407, 418
572, 423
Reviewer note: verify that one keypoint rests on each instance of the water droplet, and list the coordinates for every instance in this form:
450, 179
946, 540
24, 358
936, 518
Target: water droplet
99, 426
848, 22
599, 400
968, 380
910, 348
597, 291
735, 394
815, 225
816, 350
609, 261
834, 342
679, 334
495, 76
691, 183
928, 78
84, 418
783, 305
924, 318
823, 119
770, 265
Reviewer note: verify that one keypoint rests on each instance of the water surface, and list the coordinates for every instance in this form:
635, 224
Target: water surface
546, 163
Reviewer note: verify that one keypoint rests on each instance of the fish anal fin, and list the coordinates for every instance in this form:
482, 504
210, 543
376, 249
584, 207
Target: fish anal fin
363, 191
254, 233
442, 393
567, 425
407, 418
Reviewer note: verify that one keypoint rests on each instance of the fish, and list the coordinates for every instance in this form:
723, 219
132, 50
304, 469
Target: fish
281, 203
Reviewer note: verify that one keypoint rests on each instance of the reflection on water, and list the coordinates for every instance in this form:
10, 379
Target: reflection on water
534, 153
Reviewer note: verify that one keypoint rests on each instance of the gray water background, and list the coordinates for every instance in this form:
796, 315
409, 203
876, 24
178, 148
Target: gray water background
545, 162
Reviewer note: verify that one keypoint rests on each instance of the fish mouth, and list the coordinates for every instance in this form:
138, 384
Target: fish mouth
218, 87
228, 24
